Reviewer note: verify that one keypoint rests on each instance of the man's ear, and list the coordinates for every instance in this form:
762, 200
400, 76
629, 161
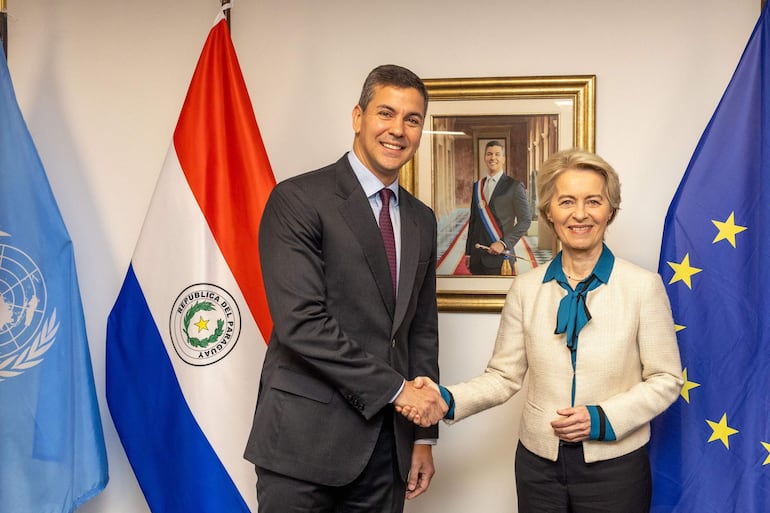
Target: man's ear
357, 114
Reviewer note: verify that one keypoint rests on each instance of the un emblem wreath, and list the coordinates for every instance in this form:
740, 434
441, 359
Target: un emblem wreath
25, 334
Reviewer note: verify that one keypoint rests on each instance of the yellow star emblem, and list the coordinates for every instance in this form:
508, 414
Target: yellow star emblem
767, 447
678, 327
202, 324
688, 385
727, 230
721, 431
683, 271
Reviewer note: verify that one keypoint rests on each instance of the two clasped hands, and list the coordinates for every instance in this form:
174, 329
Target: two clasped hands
422, 402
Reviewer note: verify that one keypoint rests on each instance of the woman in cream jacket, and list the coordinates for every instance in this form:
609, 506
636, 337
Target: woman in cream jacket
595, 335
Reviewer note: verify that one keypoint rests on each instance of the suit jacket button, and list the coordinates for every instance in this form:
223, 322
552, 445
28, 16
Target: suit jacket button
393, 343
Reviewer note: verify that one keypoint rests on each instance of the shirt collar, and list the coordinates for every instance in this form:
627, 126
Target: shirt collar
370, 183
495, 177
602, 269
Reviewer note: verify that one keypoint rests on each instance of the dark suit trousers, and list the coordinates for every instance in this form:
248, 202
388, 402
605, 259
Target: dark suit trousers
570, 485
378, 489
480, 269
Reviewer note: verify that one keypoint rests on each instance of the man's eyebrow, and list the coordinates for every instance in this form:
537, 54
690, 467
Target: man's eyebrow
392, 109
416, 113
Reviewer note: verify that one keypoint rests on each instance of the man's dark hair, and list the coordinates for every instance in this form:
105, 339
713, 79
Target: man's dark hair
494, 143
391, 75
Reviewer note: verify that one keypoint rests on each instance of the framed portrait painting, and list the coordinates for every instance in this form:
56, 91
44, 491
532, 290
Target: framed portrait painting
483, 128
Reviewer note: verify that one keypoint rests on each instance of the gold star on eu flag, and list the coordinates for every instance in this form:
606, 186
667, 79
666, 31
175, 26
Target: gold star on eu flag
683, 271
721, 431
767, 447
688, 385
727, 230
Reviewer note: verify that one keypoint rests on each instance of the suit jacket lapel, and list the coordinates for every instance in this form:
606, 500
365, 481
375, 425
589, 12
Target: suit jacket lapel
357, 212
502, 185
410, 256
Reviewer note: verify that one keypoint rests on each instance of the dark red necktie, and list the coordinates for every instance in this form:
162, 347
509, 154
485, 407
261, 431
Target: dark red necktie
386, 227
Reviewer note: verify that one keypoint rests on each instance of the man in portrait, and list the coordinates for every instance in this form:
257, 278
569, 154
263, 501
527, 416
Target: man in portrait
499, 217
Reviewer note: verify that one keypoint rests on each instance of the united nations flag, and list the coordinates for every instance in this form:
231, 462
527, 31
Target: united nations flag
52, 454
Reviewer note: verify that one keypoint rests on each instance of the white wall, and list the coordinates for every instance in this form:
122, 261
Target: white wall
101, 85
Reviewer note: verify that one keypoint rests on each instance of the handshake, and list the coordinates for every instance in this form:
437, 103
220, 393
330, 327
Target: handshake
420, 401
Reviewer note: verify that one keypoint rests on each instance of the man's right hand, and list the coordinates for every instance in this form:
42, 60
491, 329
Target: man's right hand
421, 404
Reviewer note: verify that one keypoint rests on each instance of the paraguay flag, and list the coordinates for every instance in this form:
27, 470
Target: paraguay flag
186, 337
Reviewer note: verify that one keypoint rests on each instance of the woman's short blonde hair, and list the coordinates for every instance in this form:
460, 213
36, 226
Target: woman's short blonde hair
575, 158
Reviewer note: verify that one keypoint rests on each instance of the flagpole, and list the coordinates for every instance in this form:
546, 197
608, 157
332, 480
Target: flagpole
227, 3
4, 26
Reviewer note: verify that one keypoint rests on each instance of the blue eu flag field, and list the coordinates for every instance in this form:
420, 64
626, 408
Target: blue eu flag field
710, 451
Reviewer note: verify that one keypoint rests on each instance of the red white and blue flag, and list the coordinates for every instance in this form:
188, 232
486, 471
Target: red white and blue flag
187, 334
485, 213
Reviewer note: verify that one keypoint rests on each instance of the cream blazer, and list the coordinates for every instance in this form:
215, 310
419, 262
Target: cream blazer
627, 360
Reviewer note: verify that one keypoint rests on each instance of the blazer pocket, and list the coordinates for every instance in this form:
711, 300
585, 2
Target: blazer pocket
302, 385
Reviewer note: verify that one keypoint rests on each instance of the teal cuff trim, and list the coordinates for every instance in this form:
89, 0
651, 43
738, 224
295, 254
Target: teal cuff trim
601, 429
446, 395
609, 436
594, 414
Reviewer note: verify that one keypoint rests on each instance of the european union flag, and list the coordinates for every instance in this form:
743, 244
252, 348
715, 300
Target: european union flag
52, 454
710, 451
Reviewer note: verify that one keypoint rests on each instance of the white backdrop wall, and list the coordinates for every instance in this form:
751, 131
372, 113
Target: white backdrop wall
101, 85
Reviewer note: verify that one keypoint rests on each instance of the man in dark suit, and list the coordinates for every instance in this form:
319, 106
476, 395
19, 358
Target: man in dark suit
499, 216
345, 344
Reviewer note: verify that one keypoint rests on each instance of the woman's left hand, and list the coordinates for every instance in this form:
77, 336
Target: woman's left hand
574, 425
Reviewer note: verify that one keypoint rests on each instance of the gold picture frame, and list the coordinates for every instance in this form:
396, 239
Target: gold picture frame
535, 116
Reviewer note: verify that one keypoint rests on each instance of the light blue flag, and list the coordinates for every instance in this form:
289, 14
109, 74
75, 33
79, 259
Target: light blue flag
710, 452
52, 454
